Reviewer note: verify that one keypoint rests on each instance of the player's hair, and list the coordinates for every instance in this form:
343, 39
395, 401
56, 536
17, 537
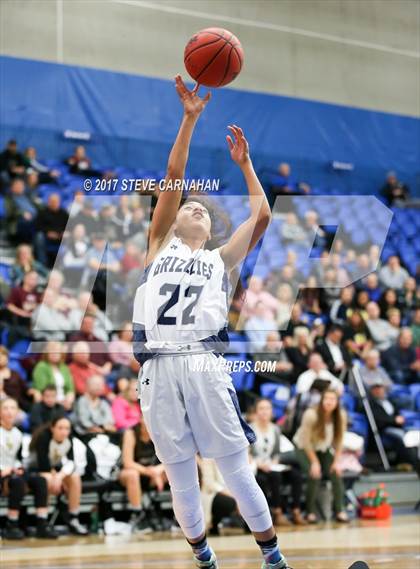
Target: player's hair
221, 230
44, 428
337, 420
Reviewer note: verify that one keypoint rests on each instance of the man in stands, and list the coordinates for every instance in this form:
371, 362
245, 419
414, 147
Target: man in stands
393, 190
92, 413
21, 213
21, 303
393, 275
11, 163
333, 351
47, 409
400, 360
51, 224
382, 332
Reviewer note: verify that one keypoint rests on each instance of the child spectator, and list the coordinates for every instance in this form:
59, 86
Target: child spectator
126, 408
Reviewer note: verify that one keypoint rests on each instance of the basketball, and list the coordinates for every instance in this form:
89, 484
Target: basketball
214, 57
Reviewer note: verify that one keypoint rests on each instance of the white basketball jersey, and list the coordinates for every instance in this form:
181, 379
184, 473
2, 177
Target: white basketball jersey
183, 295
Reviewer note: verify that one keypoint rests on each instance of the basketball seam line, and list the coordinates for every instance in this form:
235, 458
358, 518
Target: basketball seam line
202, 45
212, 59
227, 65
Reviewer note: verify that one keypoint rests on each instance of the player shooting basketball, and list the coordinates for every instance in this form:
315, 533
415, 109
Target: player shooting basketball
180, 317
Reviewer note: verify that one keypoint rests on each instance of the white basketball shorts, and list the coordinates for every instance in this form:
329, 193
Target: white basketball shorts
188, 411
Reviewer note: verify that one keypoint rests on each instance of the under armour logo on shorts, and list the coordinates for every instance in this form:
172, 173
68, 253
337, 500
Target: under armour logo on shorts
146, 381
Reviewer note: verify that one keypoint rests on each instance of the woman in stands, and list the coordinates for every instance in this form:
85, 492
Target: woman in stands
141, 471
14, 480
267, 454
52, 457
320, 440
52, 370
126, 408
24, 263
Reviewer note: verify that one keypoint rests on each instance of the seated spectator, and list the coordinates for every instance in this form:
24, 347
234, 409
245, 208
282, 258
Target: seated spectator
310, 297
400, 360
14, 480
137, 229
372, 373
102, 326
292, 230
81, 368
388, 300
122, 217
48, 323
415, 328
391, 425
12, 164
331, 287
393, 190
141, 472
64, 301
393, 275
50, 224
80, 164
101, 265
51, 370
409, 296
109, 228
20, 305
75, 249
21, 213
315, 235
126, 408
299, 349
340, 309
273, 350
32, 164
24, 263
132, 259
383, 334
333, 352
83, 213
297, 320
218, 504
13, 384
52, 457
319, 441
257, 326
357, 338
267, 455
47, 409
255, 293
92, 413
394, 319
120, 349
285, 303
317, 371
372, 287
283, 183
99, 351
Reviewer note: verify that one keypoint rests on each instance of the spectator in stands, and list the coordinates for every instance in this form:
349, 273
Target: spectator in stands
310, 297
75, 248
53, 457
47, 409
283, 183
122, 218
132, 259
109, 228
11, 163
318, 371
48, 323
285, 302
21, 303
273, 350
415, 328
218, 504
24, 263
137, 229
357, 338
258, 325
360, 303
320, 440
391, 425
102, 264
141, 472
292, 231
393, 275
316, 236
394, 191
51, 224
340, 309
126, 408
394, 319
21, 213
333, 352
86, 306
400, 360
81, 368
120, 348
299, 349
14, 386
383, 334
51, 370
256, 293
267, 455
99, 353
84, 214
32, 164
14, 480
372, 287
32, 185
387, 301
297, 320
373, 373
409, 296
92, 413
81, 165
330, 291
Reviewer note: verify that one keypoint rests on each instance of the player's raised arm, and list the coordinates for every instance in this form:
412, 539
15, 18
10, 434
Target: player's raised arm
250, 231
168, 202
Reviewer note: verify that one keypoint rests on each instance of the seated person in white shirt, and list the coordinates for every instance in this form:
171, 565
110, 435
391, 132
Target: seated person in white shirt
317, 371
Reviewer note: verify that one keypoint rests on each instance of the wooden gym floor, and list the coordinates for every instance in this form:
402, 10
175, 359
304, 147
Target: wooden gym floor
384, 545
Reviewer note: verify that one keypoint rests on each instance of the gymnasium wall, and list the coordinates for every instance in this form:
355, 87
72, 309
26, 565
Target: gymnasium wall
363, 53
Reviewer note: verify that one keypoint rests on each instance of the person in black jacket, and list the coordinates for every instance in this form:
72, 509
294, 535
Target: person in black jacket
52, 456
334, 354
50, 225
390, 424
47, 409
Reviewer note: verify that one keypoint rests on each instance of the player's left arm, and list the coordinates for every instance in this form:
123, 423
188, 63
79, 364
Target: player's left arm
250, 231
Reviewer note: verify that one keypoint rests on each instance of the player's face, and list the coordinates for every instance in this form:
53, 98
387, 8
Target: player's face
61, 430
193, 220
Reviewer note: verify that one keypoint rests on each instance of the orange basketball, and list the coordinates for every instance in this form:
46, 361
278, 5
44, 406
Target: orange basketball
213, 57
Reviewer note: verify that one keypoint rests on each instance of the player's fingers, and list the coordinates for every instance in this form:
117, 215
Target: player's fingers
234, 132
207, 97
230, 142
196, 88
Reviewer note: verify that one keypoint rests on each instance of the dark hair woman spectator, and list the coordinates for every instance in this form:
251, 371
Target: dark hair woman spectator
357, 338
140, 472
341, 307
267, 456
300, 350
24, 263
126, 408
52, 457
310, 297
319, 440
389, 299
14, 480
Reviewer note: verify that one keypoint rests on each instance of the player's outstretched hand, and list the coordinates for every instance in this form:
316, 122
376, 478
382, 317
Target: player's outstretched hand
192, 103
238, 146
